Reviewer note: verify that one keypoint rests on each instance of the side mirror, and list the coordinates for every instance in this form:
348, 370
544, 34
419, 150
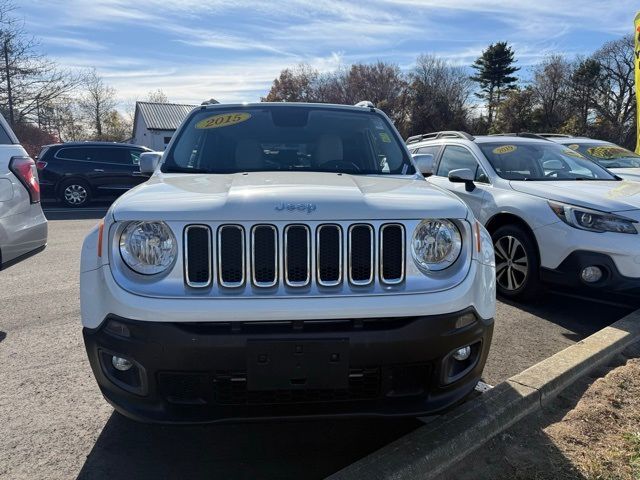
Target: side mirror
424, 163
149, 161
463, 175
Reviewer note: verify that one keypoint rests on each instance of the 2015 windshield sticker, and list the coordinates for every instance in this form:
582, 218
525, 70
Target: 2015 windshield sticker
504, 149
223, 120
573, 146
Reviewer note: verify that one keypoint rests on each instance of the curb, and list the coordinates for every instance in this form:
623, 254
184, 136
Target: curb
430, 450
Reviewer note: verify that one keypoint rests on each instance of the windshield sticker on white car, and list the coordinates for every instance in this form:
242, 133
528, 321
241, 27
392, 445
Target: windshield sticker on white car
572, 153
223, 120
609, 153
504, 149
573, 146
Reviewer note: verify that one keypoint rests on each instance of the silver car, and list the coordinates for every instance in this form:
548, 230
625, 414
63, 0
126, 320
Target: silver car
23, 226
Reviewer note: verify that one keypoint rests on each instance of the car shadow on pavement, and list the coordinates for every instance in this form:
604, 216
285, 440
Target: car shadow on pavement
581, 316
3, 335
290, 449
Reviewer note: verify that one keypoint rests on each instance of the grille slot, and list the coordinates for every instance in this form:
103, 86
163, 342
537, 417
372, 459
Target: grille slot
231, 266
197, 254
297, 253
392, 241
264, 255
329, 255
271, 256
361, 254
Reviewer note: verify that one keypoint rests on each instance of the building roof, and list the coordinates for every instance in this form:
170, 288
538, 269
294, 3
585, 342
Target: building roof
163, 116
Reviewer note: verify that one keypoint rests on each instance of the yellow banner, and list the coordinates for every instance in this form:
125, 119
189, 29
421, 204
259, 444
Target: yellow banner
637, 62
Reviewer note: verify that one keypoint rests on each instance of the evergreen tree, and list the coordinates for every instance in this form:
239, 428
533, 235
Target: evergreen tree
495, 69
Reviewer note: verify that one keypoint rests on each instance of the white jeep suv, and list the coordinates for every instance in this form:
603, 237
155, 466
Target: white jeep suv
554, 216
282, 260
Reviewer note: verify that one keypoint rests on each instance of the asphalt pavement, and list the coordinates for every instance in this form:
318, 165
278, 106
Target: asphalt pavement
55, 424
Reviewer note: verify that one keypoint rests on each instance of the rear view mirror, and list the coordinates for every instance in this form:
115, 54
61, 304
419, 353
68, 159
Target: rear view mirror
149, 161
424, 163
463, 175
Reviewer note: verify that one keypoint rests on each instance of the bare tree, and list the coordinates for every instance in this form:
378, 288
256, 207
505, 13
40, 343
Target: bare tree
615, 97
157, 96
97, 102
297, 84
440, 96
585, 80
27, 79
551, 87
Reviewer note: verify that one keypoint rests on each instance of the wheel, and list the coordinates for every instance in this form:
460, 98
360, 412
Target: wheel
517, 263
75, 193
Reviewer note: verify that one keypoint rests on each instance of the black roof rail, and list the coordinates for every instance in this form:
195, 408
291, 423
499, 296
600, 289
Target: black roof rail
555, 135
520, 134
438, 135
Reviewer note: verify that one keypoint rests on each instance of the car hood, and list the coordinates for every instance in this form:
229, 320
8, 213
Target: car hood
627, 173
607, 196
290, 196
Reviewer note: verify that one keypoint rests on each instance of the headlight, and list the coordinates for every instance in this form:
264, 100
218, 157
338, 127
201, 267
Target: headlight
436, 244
592, 220
148, 247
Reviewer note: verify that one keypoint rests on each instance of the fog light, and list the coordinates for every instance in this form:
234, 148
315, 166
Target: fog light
462, 354
121, 364
591, 274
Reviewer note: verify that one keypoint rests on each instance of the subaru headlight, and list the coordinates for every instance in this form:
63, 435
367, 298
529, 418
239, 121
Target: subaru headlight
436, 244
592, 220
148, 247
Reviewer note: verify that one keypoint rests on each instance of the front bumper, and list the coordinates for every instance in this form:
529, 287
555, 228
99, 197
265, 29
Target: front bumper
202, 372
568, 275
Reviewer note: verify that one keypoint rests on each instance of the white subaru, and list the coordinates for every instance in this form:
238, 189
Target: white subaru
282, 260
554, 216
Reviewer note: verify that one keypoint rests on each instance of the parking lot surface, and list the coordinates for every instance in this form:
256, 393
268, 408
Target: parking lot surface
55, 424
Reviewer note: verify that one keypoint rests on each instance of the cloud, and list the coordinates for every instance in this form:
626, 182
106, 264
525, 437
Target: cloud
233, 49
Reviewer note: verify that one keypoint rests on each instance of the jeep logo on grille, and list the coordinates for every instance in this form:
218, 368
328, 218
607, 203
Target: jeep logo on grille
300, 207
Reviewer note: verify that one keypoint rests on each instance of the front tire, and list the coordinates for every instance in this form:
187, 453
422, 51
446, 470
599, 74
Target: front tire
517, 263
75, 193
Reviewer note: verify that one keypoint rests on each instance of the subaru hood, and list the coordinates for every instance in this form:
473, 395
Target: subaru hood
289, 196
627, 173
603, 195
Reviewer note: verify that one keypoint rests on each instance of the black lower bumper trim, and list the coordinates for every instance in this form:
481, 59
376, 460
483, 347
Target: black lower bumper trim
205, 372
568, 274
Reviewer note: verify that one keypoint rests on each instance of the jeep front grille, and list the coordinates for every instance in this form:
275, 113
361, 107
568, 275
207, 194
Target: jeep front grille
294, 256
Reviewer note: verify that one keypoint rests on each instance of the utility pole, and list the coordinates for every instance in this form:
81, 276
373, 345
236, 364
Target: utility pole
8, 74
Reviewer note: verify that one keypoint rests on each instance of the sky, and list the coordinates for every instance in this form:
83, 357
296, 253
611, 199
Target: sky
232, 50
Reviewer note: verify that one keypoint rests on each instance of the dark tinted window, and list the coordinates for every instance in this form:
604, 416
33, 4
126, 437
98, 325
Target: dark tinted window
118, 155
275, 138
454, 158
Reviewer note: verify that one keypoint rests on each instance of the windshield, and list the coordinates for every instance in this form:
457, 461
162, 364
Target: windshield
541, 161
287, 138
608, 155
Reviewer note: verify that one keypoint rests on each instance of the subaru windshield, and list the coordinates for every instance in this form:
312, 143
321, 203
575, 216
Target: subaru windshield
541, 161
274, 138
608, 155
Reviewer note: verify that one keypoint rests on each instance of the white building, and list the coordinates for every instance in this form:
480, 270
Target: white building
155, 123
